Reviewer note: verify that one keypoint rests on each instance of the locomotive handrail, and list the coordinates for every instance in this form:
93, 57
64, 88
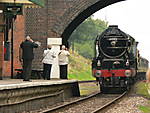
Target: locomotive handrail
116, 47
113, 60
116, 38
112, 36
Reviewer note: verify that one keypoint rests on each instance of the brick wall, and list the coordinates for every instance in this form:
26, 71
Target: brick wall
1, 47
36, 27
18, 38
58, 19
74, 15
1, 53
63, 16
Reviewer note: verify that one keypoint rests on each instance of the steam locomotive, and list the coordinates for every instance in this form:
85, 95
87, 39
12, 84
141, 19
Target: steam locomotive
117, 60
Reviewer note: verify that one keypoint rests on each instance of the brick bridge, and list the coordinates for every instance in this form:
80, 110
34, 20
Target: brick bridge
58, 18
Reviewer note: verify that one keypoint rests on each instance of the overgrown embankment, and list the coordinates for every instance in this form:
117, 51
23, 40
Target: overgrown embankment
143, 89
79, 67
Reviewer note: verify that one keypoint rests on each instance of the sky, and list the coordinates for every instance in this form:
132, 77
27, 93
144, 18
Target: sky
132, 17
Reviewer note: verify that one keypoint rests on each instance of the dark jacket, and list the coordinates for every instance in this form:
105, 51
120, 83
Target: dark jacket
27, 49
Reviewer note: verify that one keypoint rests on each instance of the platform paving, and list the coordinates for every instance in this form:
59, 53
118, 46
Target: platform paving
19, 83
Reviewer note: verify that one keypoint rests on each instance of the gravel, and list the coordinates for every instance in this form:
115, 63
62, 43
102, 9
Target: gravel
129, 105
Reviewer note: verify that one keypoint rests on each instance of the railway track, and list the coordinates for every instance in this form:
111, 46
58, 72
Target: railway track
109, 103
91, 104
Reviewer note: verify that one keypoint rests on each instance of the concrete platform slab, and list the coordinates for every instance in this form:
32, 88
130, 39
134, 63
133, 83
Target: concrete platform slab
16, 94
19, 83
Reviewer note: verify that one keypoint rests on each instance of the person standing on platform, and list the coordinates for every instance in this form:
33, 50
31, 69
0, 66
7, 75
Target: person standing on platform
48, 58
26, 55
148, 76
63, 62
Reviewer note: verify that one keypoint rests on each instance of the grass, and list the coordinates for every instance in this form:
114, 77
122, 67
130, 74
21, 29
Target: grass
79, 68
89, 88
142, 89
145, 109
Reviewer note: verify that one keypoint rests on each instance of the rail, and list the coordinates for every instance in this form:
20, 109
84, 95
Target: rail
85, 100
69, 104
110, 103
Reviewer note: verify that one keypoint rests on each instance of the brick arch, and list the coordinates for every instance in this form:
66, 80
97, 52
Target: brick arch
75, 15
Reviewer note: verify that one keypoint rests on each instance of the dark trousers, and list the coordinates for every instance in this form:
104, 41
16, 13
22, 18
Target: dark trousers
27, 68
63, 71
47, 71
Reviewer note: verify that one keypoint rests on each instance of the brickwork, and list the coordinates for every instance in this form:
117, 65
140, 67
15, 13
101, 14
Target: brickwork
1, 54
1, 47
58, 18
36, 27
18, 38
62, 15
76, 14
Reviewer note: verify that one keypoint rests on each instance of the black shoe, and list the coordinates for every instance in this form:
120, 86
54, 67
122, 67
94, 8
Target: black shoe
44, 78
48, 78
27, 80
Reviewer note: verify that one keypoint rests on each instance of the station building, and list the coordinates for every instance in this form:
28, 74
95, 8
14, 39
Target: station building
12, 33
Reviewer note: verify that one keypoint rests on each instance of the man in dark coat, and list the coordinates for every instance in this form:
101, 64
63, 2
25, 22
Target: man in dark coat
27, 55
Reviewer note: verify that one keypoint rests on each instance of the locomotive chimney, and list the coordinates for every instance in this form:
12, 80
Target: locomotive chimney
114, 26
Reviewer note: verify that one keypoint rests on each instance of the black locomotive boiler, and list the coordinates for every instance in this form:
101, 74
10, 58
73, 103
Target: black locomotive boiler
116, 60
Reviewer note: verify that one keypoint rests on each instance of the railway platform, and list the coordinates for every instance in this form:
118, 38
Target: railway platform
17, 95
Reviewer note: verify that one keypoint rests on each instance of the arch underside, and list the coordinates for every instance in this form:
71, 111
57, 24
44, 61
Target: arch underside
74, 16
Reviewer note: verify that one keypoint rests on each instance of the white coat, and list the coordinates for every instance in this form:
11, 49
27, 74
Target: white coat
49, 56
63, 57
148, 75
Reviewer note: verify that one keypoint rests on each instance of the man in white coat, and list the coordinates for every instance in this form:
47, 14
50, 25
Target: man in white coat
148, 75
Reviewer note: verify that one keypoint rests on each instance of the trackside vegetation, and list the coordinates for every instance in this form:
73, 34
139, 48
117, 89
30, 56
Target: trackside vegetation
143, 89
83, 37
79, 67
81, 46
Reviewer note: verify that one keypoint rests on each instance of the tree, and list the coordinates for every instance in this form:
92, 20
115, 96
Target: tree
83, 37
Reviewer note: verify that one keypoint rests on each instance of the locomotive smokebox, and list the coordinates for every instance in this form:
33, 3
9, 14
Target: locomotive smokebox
113, 42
